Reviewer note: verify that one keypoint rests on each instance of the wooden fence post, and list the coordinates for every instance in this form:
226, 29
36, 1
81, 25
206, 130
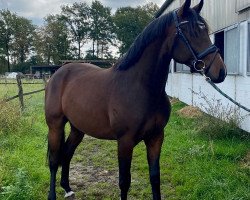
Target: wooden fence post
20, 90
44, 80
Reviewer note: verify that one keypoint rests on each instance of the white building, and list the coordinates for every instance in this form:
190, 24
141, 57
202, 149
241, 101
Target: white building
229, 22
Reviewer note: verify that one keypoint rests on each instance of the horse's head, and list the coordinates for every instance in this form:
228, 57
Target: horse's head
192, 45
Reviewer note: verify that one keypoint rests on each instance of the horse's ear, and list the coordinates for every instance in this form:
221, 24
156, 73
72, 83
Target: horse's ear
198, 7
184, 8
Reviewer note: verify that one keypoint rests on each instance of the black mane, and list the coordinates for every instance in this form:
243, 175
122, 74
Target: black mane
154, 30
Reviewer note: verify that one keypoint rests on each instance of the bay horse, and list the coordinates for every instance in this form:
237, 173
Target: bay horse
127, 102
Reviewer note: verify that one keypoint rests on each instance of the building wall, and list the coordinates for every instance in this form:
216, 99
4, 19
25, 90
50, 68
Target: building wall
219, 13
189, 88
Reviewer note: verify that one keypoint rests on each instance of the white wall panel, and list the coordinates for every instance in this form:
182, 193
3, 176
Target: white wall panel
185, 93
237, 87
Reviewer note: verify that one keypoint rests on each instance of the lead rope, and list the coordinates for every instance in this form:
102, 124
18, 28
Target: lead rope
225, 95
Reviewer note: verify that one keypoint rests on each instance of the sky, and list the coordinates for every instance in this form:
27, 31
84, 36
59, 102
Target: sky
36, 10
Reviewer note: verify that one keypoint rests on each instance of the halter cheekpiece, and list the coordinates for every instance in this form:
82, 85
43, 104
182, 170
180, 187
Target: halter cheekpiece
197, 61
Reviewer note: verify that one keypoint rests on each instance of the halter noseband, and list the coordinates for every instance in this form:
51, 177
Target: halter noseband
197, 57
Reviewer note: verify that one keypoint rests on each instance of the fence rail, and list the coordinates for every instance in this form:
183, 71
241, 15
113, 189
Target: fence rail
21, 94
22, 83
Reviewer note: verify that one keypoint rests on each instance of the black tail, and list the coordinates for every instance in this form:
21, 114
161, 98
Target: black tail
47, 155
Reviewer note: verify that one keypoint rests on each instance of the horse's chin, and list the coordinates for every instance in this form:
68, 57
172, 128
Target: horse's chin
220, 78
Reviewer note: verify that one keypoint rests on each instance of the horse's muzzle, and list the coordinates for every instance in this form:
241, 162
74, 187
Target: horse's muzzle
221, 77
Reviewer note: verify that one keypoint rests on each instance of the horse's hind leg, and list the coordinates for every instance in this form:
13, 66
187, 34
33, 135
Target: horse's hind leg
70, 146
55, 145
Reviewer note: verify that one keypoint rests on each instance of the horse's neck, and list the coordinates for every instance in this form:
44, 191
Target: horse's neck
152, 68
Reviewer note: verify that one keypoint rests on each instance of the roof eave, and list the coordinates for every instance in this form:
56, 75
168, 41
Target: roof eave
163, 8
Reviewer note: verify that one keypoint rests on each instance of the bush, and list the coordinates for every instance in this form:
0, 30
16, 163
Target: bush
220, 121
10, 117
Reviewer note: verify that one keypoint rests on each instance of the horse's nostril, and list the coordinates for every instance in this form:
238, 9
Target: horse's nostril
221, 77
223, 73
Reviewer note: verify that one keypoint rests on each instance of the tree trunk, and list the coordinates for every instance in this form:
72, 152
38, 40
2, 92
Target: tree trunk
102, 50
8, 56
22, 55
97, 49
79, 50
93, 52
48, 61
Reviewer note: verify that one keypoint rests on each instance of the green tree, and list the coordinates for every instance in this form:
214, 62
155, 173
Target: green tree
3, 61
23, 37
150, 9
101, 31
6, 29
129, 23
42, 44
16, 37
52, 42
77, 18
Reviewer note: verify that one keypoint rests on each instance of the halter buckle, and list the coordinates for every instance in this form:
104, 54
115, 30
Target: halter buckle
206, 78
199, 65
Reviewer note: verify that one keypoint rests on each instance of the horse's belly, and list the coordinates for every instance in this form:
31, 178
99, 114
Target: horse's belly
93, 122
94, 128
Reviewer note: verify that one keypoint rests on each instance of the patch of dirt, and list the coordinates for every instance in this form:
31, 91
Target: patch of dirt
173, 100
87, 179
190, 112
82, 176
245, 162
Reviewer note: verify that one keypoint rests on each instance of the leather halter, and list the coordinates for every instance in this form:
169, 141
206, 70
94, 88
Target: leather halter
197, 57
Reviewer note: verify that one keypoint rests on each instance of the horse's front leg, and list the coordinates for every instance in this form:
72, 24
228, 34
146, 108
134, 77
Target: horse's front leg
125, 151
153, 145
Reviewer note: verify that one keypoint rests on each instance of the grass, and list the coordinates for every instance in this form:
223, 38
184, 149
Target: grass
205, 168
193, 165
23, 172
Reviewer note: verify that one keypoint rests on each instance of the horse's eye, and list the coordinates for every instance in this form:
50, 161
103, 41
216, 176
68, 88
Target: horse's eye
201, 25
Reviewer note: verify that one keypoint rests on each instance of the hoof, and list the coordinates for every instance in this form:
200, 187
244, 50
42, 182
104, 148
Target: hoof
69, 194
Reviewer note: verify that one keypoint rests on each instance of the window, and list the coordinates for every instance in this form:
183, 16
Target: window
171, 65
219, 42
231, 49
228, 42
178, 67
248, 49
181, 68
